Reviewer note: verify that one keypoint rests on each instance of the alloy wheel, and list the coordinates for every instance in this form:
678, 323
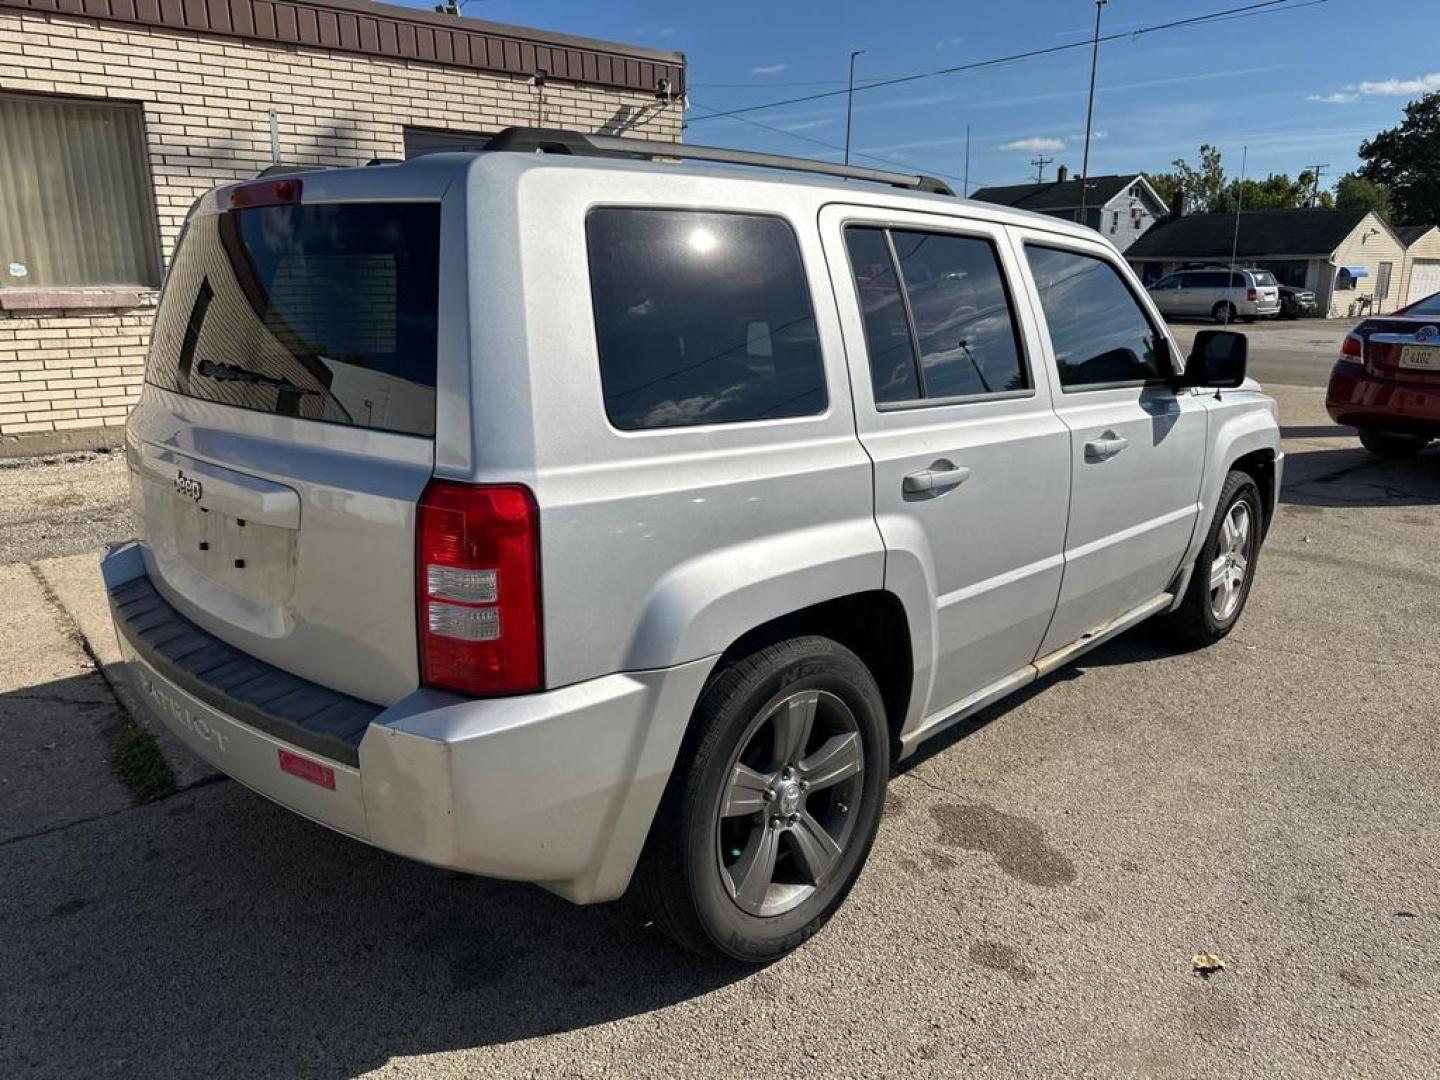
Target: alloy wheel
1234, 551
788, 808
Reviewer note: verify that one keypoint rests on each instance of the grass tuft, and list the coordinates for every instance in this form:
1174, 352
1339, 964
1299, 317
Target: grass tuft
136, 757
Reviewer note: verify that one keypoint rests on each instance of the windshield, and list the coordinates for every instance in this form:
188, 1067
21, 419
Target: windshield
322, 312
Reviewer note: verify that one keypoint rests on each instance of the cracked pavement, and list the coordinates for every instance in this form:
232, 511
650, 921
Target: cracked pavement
1042, 878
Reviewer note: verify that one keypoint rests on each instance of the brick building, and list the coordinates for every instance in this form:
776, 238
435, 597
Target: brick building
116, 114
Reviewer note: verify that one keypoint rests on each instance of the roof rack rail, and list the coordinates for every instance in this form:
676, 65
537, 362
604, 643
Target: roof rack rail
532, 140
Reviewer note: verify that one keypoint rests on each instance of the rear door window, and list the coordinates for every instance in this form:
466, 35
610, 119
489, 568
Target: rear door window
322, 312
938, 319
701, 318
1099, 333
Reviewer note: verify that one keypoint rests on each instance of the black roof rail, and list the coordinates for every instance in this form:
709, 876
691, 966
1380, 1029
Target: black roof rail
529, 140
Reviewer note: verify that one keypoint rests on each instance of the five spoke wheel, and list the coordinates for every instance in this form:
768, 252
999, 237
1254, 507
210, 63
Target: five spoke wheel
787, 810
1233, 552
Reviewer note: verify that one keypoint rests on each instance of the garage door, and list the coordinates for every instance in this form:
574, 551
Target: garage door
1424, 279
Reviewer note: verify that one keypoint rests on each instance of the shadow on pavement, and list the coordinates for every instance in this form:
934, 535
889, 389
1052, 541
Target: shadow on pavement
1353, 477
216, 934
1317, 431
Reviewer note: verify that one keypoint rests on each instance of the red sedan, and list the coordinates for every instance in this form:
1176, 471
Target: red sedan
1387, 380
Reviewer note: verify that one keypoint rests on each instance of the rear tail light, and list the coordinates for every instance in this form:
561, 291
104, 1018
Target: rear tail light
478, 588
1251, 294
1352, 349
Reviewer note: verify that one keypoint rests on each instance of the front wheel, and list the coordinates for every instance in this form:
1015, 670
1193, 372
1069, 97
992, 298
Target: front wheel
773, 805
1392, 446
1225, 569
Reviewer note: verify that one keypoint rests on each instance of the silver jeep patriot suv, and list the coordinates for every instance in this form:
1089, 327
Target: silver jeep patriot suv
572, 513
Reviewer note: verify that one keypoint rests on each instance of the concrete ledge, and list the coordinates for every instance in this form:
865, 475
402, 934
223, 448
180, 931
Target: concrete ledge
108, 298
42, 444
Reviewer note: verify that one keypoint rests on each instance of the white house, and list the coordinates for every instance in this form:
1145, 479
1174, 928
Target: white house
1120, 207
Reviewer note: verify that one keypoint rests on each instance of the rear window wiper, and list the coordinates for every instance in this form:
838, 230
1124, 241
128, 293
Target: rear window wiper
234, 373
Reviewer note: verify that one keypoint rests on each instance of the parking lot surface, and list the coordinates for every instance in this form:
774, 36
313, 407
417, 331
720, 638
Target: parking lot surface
1297, 352
1042, 878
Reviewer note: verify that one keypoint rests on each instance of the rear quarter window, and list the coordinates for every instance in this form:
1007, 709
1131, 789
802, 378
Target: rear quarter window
701, 318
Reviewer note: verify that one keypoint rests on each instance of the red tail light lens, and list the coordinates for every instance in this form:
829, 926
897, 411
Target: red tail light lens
266, 193
1353, 349
1251, 294
478, 588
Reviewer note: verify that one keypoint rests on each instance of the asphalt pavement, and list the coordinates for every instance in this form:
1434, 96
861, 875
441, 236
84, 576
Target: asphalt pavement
1284, 352
1042, 878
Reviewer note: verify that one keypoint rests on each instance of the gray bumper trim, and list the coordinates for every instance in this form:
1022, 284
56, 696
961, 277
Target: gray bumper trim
273, 701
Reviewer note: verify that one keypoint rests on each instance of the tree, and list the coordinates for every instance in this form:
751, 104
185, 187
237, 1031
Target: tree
1355, 192
1406, 159
1205, 186
1165, 185
1276, 192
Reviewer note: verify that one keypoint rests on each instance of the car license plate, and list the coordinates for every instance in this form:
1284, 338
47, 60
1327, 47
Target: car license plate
1423, 357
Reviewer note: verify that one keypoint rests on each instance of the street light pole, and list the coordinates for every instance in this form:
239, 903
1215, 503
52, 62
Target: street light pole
1090, 110
850, 102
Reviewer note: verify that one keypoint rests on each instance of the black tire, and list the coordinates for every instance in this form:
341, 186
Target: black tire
1392, 446
1223, 312
683, 878
1197, 622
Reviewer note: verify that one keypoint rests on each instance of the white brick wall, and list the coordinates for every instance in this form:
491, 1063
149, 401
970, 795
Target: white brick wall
207, 102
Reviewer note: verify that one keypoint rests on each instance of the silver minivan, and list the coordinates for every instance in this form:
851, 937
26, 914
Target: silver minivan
568, 513
1218, 293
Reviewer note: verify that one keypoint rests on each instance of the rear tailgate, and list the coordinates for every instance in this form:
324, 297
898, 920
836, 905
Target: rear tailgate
287, 427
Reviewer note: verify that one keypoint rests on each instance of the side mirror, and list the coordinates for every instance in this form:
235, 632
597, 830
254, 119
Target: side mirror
1217, 359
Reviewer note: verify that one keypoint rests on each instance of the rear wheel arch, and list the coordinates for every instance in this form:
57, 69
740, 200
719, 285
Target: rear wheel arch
872, 624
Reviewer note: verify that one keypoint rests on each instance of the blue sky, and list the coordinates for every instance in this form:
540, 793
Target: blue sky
1299, 86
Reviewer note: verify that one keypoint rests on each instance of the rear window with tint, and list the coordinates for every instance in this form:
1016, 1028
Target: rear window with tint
701, 318
1264, 279
321, 312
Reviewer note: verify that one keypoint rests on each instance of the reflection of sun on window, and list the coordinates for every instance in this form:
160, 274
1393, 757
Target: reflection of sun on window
702, 240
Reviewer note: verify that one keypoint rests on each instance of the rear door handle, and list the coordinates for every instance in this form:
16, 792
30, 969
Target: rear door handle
942, 476
1105, 447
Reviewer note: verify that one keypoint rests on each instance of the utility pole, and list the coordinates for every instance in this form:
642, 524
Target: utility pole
965, 194
1235, 238
1315, 192
1040, 163
850, 102
1090, 110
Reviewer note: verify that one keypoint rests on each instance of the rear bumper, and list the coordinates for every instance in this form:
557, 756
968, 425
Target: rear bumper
558, 788
1357, 399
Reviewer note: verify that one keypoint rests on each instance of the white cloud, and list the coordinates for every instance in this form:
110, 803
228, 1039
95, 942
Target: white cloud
1034, 144
1337, 98
769, 69
807, 125
949, 42
1425, 84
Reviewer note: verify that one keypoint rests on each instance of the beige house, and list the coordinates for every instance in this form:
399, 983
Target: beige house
1420, 276
1350, 259
116, 114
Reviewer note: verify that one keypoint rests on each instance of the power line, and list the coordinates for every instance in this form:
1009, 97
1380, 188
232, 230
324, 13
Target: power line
891, 163
1262, 6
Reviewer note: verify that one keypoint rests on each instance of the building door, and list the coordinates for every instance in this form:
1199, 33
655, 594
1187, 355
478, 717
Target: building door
1424, 279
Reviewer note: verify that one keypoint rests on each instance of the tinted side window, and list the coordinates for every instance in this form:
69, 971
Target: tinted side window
1099, 333
962, 315
893, 372
701, 318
